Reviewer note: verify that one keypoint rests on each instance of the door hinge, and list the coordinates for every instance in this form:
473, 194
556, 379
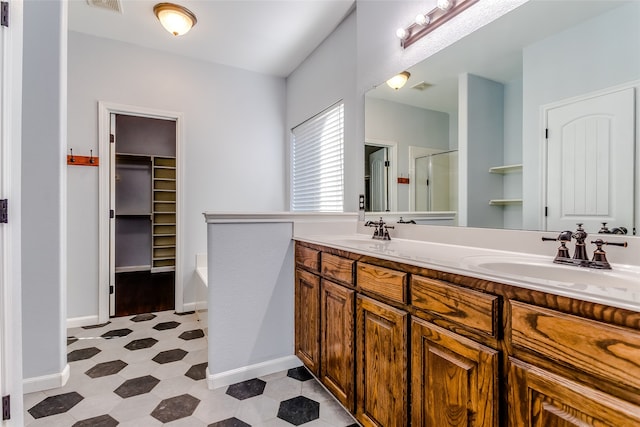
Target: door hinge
546, 211
112, 138
387, 163
6, 407
4, 211
546, 133
110, 289
4, 13
112, 213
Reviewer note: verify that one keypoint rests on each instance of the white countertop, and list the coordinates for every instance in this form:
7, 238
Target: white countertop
619, 287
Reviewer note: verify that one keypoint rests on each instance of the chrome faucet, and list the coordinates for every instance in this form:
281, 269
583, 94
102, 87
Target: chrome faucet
381, 231
599, 260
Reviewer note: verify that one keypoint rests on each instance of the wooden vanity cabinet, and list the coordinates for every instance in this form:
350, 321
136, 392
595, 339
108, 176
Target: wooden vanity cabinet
454, 380
337, 337
307, 319
381, 360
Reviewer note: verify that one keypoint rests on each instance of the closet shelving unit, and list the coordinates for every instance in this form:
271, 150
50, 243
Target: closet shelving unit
164, 214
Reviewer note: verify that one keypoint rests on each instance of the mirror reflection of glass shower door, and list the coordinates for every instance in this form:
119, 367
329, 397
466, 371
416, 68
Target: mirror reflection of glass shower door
436, 182
379, 180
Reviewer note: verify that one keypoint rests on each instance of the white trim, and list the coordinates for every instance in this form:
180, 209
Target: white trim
46, 382
104, 111
10, 234
188, 306
392, 187
544, 111
244, 373
77, 322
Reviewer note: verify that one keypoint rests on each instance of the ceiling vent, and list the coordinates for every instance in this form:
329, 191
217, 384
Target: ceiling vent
113, 5
421, 86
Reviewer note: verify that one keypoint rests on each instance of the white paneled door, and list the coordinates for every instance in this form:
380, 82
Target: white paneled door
379, 180
590, 162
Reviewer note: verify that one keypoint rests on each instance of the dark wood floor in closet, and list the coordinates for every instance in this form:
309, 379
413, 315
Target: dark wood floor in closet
144, 292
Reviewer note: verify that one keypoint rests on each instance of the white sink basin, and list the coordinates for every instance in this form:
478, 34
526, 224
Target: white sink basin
564, 275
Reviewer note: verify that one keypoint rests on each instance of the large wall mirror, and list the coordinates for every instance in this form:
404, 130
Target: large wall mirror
529, 123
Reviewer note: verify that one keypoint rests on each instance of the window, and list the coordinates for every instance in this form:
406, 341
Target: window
318, 162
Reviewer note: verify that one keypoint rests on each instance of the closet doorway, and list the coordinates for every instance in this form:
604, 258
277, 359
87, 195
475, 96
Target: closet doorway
143, 210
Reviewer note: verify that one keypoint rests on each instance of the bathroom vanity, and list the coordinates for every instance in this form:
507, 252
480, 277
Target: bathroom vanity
409, 335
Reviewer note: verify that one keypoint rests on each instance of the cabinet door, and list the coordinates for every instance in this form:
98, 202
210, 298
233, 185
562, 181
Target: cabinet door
454, 380
538, 398
307, 321
336, 343
381, 378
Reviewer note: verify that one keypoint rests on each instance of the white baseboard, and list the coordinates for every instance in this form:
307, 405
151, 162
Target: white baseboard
46, 382
76, 322
189, 306
252, 371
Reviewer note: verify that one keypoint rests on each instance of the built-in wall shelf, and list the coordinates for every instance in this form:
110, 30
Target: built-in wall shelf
506, 169
505, 202
164, 214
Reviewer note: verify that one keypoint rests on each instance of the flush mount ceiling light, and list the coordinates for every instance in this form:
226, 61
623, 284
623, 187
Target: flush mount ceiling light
427, 22
176, 19
397, 81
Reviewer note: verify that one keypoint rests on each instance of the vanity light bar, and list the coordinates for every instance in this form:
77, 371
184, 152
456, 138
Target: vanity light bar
445, 10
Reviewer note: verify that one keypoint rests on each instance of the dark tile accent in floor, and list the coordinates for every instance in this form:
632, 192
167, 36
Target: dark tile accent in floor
170, 356
163, 326
106, 368
136, 386
55, 404
99, 421
100, 325
71, 340
246, 389
230, 422
299, 410
300, 373
192, 335
141, 343
82, 354
175, 408
143, 317
197, 372
184, 313
117, 333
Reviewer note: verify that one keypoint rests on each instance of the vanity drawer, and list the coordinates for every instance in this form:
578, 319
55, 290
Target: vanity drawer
382, 281
603, 350
337, 268
308, 258
467, 307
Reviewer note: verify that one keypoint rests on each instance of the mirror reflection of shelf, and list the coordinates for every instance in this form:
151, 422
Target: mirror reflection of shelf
164, 214
505, 202
506, 169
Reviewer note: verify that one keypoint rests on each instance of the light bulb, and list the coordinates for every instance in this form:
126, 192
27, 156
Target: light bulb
444, 4
422, 19
402, 33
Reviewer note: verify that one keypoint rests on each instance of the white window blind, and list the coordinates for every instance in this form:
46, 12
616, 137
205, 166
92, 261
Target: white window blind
318, 162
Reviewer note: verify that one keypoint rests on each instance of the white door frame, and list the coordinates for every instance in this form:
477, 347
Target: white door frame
10, 187
544, 110
392, 156
105, 110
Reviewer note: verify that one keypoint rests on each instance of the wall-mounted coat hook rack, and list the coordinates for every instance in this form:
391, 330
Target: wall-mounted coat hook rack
82, 160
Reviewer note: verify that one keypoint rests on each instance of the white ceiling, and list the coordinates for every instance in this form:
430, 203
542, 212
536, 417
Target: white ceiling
266, 36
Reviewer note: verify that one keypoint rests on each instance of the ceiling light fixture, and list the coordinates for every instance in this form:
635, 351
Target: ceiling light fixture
399, 80
427, 22
176, 19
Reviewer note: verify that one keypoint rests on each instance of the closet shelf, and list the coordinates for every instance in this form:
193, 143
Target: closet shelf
505, 202
164, 258
506, 169
133, 214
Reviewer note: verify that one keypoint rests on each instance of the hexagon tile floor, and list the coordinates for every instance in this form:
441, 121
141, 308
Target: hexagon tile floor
149, 370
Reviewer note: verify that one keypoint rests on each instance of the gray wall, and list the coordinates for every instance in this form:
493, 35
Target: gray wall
233, 144
597, 54
44, 189
325, 77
